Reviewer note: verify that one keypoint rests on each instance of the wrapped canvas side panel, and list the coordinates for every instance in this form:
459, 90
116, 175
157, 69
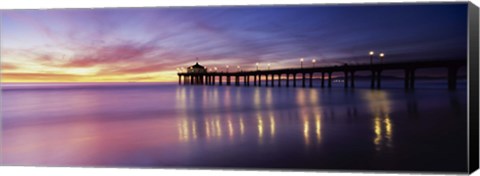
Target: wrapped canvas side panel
473, 57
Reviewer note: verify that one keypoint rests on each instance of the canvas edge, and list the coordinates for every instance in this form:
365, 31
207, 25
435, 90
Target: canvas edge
473, 93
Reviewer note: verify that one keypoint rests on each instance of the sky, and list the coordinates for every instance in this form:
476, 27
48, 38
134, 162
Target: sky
149, 44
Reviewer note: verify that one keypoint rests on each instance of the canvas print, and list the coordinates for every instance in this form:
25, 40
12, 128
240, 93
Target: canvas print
360, 87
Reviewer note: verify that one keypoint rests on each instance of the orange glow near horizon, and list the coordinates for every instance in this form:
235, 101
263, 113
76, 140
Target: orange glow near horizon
82, 75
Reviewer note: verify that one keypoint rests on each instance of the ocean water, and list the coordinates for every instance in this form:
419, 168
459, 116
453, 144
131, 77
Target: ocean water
169, 125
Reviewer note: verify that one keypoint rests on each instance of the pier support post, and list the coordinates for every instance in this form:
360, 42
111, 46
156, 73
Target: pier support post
373, 79
245, 80
259, 80
237, 80
279, 80
303, 79
295, 80
229, 80
288, 80
379, 78
323, 79
407, 79
213, 79
191, 79
254, 80
329, 79
266, 80
345, 81
311, 80
452, 78
412, 79
179, 80
352, 79
220, 79
273, 79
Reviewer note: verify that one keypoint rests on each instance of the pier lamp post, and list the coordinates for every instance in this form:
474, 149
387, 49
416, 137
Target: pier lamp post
256, 65
238, 67
371, 53
382, 56
227, 68
268, 66
313, 62
301, 63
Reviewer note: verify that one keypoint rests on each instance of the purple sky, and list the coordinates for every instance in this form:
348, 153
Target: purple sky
148, 44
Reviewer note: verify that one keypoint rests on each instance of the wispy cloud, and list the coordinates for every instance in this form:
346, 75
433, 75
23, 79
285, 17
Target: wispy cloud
8, 66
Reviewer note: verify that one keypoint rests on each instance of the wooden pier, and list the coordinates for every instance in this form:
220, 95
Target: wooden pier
273, 78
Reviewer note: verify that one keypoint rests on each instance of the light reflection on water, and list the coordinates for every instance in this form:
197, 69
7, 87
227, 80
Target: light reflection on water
175, 126
380, 106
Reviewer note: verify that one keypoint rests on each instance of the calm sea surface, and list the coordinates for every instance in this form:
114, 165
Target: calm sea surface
166, 125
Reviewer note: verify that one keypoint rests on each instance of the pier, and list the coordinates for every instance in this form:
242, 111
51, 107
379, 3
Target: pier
273, 78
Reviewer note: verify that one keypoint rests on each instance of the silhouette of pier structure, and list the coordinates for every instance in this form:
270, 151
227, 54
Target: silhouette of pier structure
198, 75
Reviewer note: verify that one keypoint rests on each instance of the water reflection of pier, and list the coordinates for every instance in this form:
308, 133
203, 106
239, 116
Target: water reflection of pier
379, 104
216, 116
262, 124
264, 127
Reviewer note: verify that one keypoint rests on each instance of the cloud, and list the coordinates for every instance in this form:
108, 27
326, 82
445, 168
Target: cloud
105, 55
8, 66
